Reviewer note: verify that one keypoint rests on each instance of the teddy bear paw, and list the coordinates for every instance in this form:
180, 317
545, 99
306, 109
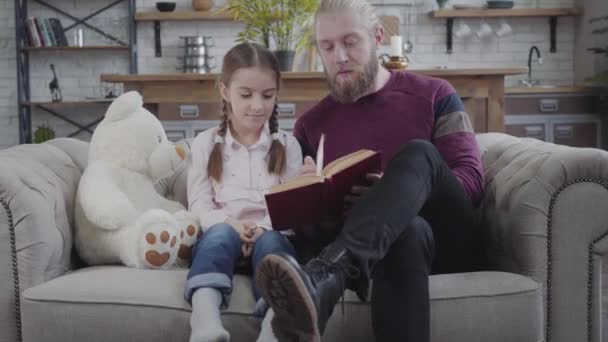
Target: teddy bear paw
159, 248
189, 237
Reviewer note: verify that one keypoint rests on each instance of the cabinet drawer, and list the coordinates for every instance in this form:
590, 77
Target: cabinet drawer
548, 104
211, 111
532, 130
188, 111
582, 134
175, 135
577, 130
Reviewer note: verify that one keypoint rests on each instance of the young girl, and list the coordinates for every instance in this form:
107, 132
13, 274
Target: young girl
232, 167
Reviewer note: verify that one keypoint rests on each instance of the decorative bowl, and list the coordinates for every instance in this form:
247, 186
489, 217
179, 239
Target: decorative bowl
165, 6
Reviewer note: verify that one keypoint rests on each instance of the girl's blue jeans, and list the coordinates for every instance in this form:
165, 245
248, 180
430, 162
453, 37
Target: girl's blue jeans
215, 255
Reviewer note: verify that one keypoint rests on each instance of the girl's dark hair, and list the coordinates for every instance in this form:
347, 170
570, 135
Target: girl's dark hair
247, 55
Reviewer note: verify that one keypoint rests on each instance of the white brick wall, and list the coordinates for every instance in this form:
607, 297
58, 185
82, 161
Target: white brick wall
9, 131
78, 72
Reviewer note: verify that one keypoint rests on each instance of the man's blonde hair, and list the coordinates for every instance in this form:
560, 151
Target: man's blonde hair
363, 7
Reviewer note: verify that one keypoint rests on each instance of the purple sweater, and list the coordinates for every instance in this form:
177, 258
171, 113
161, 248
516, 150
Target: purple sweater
409, 106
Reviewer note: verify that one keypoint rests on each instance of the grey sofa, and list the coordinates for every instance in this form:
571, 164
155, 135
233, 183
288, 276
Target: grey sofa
545, 213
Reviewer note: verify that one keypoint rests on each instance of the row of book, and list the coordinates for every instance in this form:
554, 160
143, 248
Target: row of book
45, 32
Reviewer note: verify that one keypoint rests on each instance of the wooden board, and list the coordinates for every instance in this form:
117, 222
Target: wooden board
183, 16
391, 27
77, 48
514, 12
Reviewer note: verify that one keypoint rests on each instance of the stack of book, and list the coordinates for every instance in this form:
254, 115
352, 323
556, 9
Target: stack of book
45, 32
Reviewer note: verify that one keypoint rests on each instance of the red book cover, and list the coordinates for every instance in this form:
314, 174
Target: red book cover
313, 199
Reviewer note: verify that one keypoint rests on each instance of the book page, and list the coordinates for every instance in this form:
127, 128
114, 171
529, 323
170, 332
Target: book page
346, 161
320, 149
297, 183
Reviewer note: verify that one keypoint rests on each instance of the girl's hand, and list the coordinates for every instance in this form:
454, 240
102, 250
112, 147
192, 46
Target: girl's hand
309, 168
244, 229
246, 249
257, 232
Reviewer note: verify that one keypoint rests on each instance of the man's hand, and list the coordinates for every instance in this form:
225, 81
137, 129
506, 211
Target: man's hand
359, 190
309, 168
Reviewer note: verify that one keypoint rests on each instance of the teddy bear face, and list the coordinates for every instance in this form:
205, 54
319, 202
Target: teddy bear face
132, 138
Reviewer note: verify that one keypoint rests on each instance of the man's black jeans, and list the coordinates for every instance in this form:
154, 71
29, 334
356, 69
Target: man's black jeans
415, 220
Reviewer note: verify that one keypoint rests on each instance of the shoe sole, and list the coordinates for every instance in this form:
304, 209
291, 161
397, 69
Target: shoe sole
295, 315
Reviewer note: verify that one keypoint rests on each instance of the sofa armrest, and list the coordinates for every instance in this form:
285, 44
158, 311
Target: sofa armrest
545, 213
37, 189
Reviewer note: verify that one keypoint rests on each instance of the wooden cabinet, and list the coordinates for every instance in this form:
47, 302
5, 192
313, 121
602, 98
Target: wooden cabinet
577, 134
565, 119
482, 90
183, 129
536, 130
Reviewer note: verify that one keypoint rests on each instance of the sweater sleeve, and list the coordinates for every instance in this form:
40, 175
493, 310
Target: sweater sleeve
454, 138
300, 133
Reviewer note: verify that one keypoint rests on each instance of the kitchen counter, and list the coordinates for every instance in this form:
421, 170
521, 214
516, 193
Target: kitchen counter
482, 89
549, 90
436, 72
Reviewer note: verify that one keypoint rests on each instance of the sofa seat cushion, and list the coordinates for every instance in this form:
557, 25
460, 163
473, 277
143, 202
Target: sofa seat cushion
115, 303
477, 306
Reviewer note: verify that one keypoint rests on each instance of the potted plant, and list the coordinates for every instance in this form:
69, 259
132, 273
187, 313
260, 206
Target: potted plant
43, 133
282, 25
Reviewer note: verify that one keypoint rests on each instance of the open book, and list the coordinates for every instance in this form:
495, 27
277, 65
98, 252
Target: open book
320, 197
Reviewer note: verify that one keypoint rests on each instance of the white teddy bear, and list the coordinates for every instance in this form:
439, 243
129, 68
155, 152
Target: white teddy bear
120, 217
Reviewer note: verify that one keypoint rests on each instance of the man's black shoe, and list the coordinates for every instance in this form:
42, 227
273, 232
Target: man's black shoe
303, 298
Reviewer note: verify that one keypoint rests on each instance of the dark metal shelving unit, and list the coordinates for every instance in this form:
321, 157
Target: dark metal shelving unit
23, 51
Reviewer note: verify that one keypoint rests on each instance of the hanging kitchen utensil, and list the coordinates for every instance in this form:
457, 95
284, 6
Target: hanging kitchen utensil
408, 46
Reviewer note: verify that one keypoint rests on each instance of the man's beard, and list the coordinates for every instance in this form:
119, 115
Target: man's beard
349, 92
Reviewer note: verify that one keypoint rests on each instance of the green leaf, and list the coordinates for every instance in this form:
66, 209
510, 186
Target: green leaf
288, 23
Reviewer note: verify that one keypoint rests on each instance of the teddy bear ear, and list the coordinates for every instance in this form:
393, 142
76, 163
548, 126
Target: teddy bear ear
125, 105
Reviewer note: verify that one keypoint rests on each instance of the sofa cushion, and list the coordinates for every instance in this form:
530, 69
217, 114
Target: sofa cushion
114, 303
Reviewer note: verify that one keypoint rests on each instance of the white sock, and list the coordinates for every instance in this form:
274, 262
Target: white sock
266, 334
205, 321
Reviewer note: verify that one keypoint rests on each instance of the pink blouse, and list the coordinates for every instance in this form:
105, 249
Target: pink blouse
245, 178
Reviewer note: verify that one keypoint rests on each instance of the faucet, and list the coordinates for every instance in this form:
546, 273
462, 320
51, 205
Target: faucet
530, 82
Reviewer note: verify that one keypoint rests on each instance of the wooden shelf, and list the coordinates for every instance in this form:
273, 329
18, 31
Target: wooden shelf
513, 12
183, 16
551, 13
68, 103
304, 76
77, 48
550, 90
156, 17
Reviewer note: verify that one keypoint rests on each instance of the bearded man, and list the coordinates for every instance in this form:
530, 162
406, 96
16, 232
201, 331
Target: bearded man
416, 218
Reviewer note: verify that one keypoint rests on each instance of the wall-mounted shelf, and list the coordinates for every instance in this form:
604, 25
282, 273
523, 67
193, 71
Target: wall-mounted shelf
514, 12
182, 16
68, 103
552, 13
157, 17
77, 48
22, 41
53, 109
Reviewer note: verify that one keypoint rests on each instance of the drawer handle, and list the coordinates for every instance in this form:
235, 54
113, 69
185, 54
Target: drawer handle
286, 110
536, 132
188, 111
548, 105
564, 131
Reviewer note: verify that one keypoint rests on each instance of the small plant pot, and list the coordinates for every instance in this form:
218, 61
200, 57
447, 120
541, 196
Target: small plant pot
285, 59
202, 5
